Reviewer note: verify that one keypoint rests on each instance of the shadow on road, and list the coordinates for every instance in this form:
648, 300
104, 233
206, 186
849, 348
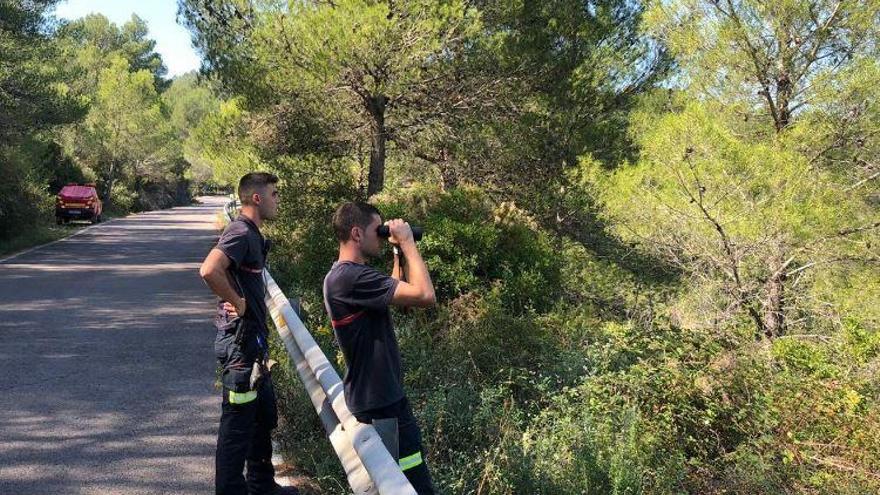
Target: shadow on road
106, 360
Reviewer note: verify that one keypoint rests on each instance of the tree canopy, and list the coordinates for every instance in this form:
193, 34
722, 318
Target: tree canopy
652, 225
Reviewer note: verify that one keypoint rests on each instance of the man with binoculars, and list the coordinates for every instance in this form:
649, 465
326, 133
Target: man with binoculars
358, 297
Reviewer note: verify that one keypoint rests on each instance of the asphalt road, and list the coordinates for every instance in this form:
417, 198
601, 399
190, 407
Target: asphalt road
106, 360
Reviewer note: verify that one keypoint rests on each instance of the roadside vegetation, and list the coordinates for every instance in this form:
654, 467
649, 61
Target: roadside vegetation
87, 101
653, 226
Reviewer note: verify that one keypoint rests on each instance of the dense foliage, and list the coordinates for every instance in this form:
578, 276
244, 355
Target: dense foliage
88, 101
33, 98
652, 227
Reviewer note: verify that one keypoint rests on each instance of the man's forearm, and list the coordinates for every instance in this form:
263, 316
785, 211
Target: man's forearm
416, 270
220, 285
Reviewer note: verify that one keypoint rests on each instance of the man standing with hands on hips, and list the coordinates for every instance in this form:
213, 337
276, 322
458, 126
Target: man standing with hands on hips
234, 272
358, 298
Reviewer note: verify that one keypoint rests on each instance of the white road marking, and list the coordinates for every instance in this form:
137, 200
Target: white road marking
41, 246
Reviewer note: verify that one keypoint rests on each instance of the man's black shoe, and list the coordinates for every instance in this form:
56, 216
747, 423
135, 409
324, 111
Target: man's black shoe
285, 490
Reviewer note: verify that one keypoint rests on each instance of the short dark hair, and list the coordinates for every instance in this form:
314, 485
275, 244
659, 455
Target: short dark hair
254, 182
352, 214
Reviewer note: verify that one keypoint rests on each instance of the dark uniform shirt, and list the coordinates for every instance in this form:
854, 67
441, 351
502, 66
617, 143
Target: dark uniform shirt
357, 298
245, 247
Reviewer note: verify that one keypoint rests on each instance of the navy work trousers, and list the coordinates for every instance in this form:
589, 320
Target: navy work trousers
244, 438
412, 460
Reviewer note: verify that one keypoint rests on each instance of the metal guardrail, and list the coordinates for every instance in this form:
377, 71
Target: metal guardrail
231, 209
369, 466
371, 454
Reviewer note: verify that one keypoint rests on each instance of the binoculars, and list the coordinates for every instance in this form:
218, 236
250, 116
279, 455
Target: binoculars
385, 233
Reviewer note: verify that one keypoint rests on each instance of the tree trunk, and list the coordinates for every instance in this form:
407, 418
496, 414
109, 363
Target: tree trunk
784, 84
447, 171
183, 197
774, 317
378, 137
111, 178
783, 102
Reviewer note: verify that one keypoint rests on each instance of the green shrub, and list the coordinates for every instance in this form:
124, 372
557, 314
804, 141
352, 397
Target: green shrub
470, 244
546, 370
122, 199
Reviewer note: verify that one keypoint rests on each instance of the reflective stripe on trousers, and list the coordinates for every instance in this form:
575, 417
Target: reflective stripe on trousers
242, 397
410, 461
